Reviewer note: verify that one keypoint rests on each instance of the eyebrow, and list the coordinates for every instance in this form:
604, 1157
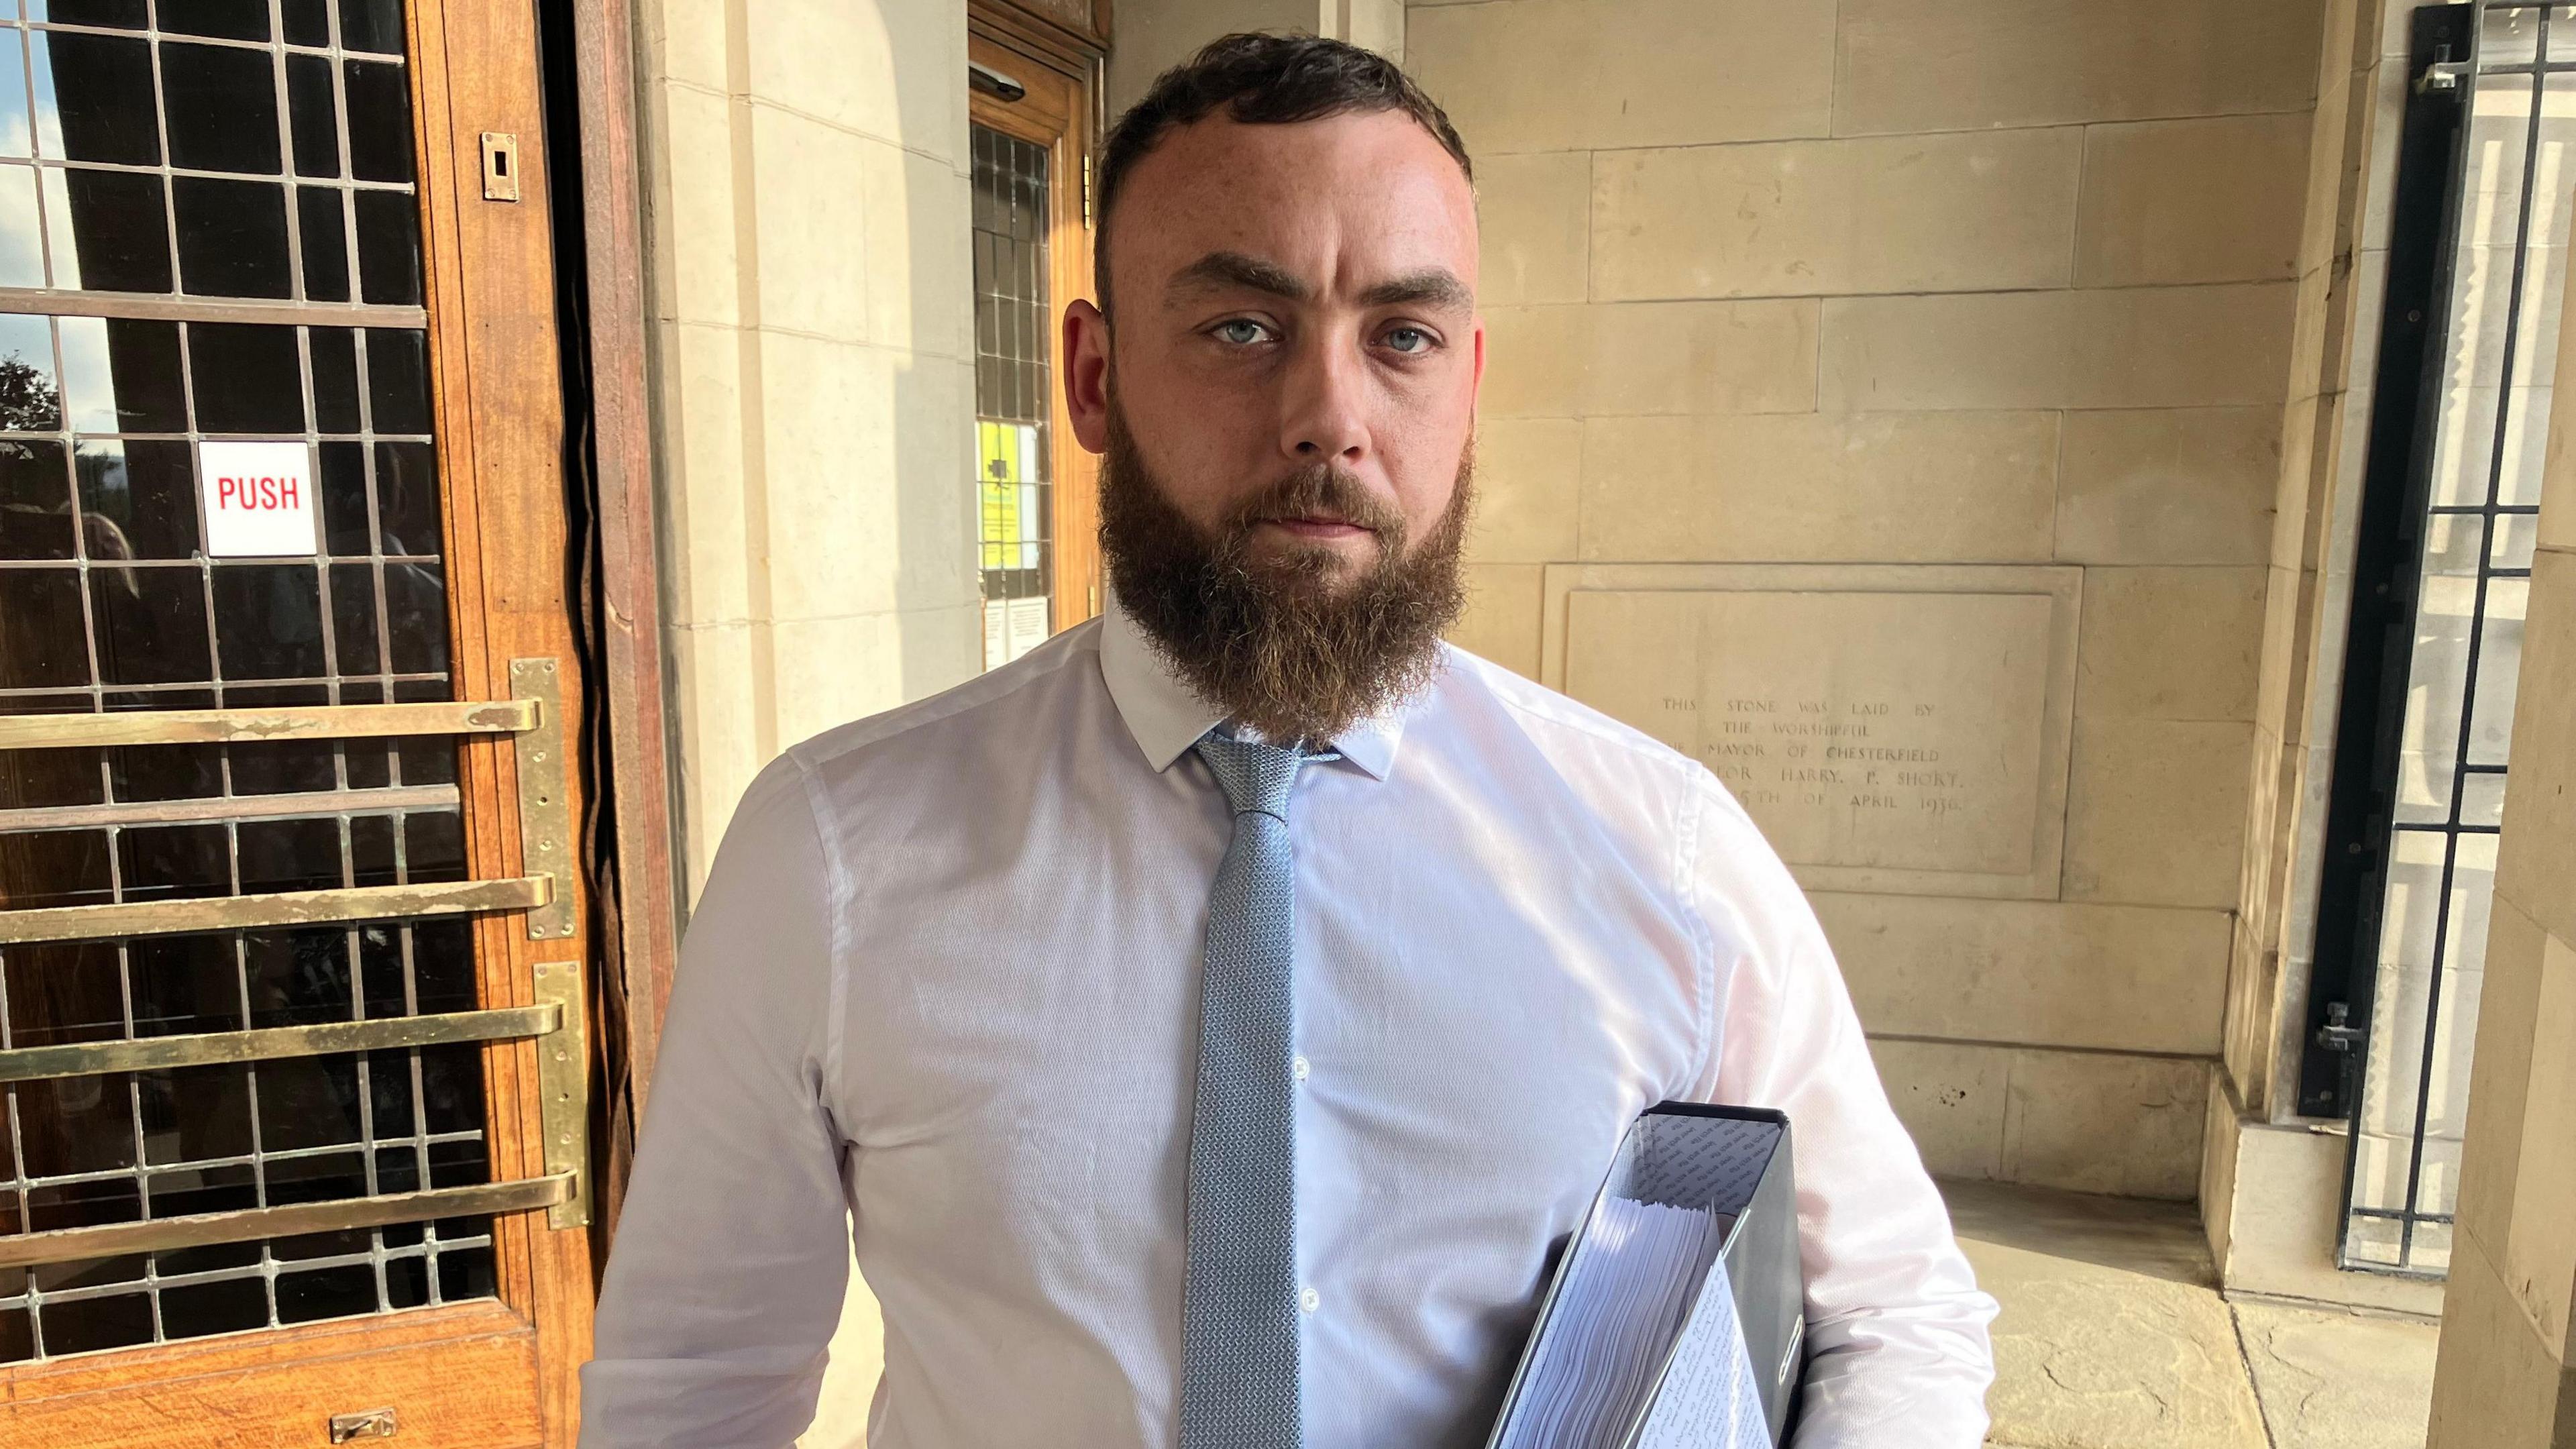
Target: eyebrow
1218, 270
1431, 286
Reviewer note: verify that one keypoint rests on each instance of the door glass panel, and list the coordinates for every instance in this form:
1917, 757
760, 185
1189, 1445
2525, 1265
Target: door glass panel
109, 602
160, 160
1015, 497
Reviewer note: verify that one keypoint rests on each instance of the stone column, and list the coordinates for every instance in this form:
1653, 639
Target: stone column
2507, 1373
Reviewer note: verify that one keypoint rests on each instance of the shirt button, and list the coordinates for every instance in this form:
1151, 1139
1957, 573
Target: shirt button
1308, 1300
1297, 1068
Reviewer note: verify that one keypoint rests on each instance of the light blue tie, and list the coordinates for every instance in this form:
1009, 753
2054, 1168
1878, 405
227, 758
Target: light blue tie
1239, 1337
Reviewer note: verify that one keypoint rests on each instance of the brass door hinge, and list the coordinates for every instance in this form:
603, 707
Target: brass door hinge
1086, 192
545, 817
563, 1090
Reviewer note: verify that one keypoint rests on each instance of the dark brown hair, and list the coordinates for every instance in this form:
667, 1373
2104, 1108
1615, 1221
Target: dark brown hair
1259, 80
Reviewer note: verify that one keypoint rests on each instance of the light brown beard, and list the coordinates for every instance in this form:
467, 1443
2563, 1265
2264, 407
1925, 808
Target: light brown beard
1274, 641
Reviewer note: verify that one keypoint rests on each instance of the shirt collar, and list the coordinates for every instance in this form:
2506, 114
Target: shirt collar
1167, 716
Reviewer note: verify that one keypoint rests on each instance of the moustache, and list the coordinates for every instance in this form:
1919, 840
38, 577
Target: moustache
1321, 491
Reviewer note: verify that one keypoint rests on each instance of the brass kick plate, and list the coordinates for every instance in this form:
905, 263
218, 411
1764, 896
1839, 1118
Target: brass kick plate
545, 821
563, 1089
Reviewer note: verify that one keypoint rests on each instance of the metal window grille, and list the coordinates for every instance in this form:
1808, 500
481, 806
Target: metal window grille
209, 227
1015, 491
2433, 743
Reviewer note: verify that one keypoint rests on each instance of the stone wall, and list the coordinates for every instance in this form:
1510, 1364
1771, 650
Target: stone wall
1155, 35
1882, 289
2507, 1375
806, 203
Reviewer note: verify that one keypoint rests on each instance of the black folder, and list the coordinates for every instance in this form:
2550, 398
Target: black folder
1721, 1364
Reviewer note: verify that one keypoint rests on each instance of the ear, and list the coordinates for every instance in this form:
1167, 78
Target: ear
1477, 383
1086, 375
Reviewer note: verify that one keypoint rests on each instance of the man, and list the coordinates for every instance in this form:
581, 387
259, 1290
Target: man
1212, 1020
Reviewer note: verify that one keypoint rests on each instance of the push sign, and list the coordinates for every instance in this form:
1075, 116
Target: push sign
258, 499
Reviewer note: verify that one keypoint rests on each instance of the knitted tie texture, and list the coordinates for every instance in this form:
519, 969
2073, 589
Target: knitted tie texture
1240, 1371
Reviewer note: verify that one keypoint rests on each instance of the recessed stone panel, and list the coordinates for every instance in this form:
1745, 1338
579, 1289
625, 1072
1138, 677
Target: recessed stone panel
1891, 728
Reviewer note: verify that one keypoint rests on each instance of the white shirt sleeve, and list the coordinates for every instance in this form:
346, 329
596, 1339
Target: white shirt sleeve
732, 1254
1898, 1356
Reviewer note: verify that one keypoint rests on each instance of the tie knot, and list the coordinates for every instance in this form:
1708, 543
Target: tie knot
1256, 777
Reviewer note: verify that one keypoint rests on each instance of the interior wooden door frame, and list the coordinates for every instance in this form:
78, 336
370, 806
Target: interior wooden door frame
498, 1372
1061, 113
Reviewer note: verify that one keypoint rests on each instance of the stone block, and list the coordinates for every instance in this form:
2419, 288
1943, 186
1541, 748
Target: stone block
932, 407
2495, 1382
2156, 811
866, 452
721, 707
833, 670
2170, 643
2106, 1122
1531, 216
1950, 1096
1650, 357
682, 40
811, 223
1949, 213
2537, 858
920, 291
891, 69
2386, 84
2538, 1251
2209, 200
697, 381
2281, 598
2036, 973
1558, 75
2084, 1121
690, 203
2167, 486
1901, 487
1527, 474
2296, 526
2283, 1220
1890, 727
828, 535
1955, 65
1502, 618
2145, 347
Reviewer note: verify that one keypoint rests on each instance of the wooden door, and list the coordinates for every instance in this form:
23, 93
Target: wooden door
292, 1001
1031, 109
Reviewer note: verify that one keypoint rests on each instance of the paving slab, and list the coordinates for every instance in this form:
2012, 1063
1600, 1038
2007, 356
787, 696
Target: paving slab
2330, 1380
2110, 1335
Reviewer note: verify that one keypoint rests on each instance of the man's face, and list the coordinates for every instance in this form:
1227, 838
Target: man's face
1291, 300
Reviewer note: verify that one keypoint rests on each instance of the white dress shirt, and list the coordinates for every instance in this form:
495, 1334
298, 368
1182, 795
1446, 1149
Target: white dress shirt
943, 986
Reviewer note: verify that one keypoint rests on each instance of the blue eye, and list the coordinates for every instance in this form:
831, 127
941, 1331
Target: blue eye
1240, 331
1411, 341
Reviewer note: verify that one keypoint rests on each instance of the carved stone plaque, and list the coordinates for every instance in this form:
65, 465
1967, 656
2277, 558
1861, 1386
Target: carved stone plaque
1890, 727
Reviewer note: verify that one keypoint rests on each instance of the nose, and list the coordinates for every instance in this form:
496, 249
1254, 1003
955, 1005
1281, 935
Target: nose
1323, 417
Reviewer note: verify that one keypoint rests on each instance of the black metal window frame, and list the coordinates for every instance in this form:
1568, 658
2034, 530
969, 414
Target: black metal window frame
2364, 822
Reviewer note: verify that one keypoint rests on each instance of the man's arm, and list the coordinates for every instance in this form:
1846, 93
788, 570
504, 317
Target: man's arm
733, 1251
1896, 1328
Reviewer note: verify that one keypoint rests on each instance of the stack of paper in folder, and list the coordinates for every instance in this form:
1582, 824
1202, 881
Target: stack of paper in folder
1677, 1317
